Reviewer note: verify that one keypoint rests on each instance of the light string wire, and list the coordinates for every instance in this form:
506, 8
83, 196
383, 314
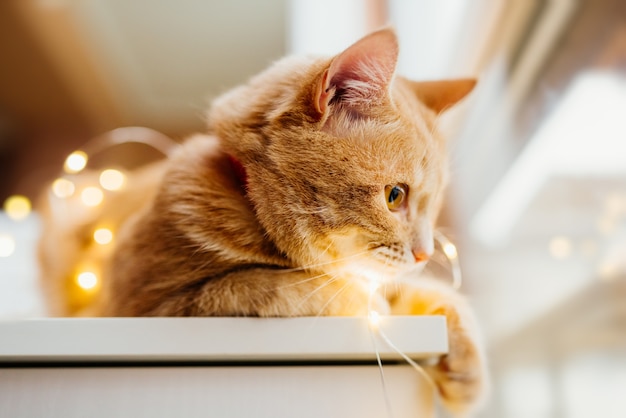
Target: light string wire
381, 371
451, 255
165, 145
131, 134
126, 135
67, 181
373, 327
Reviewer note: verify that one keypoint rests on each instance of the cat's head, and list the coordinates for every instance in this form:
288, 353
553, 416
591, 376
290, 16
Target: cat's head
344, 168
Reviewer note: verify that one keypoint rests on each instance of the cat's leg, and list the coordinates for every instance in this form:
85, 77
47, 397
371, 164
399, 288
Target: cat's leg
460, 375
271, 293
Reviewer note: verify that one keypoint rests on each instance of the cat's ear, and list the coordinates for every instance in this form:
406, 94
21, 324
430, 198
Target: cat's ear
443, 94
361, 74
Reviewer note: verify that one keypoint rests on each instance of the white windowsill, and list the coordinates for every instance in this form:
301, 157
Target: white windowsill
219, 339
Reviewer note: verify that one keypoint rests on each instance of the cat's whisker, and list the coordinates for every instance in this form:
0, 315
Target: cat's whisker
330, 244
331, 299
326, 263
314, 291
299, 282
201, 266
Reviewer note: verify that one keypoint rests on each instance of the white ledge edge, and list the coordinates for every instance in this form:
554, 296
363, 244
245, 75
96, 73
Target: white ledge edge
220, 339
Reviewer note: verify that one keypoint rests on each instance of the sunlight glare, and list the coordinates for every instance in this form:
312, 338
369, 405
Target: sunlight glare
374, 319
374, 285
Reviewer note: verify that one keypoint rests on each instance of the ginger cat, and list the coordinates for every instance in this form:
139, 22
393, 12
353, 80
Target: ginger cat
317, 177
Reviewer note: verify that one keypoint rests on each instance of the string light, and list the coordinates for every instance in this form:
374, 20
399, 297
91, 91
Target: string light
449, 250
7, 245
63, 188
91, 196
91, 193
103, 236
374, 319
75, 162
111, 179
17, 207
452, 255
87, 280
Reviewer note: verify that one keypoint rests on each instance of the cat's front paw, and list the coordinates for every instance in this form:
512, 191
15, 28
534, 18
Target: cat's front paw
460, 375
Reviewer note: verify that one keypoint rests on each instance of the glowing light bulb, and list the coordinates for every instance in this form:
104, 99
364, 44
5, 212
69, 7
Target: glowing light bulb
63, 188
449, 250
374, 319
103, 236
17, 207
87, 280
91, 196
75, 162
112, 179
7, 245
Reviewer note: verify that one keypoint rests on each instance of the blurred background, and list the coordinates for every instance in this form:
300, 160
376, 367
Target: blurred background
537, 204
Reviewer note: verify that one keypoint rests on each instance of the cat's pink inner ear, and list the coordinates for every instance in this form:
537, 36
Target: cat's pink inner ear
443, 94
362, 73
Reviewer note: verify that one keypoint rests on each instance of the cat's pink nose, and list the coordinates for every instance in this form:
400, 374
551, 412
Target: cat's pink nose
420, 255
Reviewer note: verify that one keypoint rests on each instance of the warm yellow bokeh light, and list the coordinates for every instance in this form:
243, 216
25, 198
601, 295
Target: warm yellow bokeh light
103, 236
75, 162
17, 207
87, 280
112, 179
450, 250
92, 196
63, 188
560, 247
7, 245
608, 271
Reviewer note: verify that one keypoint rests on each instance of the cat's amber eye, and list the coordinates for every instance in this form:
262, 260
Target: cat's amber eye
395, 195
